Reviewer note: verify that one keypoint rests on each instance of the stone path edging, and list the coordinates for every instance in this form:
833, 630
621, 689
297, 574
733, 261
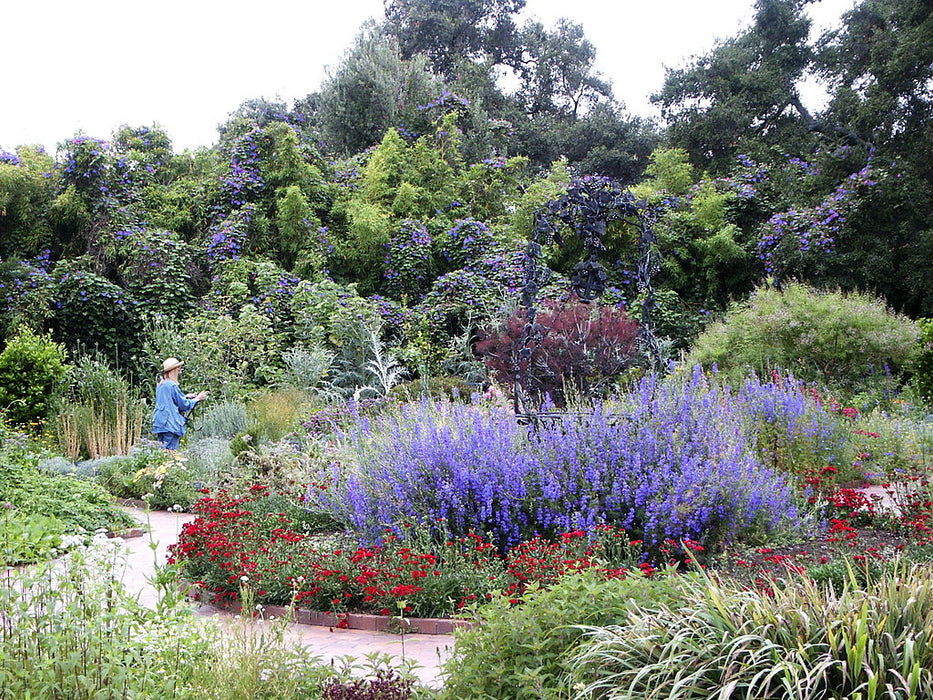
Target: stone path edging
351, 621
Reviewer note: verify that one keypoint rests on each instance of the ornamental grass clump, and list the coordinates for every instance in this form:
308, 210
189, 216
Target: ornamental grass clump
670, 460
798, 641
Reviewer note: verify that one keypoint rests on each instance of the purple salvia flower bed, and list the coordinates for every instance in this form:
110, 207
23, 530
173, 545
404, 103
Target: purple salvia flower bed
673, 458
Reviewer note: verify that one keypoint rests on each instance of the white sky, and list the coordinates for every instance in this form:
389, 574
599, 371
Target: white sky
93, 65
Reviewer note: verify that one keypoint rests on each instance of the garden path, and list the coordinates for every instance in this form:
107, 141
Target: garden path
425, 650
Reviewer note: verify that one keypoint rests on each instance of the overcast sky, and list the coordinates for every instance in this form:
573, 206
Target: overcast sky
94, 65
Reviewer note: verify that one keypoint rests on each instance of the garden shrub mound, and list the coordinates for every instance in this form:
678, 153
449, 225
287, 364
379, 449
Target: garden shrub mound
521, 651
848, 342
671, 459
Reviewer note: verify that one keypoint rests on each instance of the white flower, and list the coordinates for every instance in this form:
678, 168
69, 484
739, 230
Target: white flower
244, 579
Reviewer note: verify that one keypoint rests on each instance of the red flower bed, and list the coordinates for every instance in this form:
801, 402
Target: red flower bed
235, 541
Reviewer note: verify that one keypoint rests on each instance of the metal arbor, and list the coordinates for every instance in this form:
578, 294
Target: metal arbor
587, 206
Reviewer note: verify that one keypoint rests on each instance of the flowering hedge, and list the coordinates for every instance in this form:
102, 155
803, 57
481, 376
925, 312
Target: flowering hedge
673, 459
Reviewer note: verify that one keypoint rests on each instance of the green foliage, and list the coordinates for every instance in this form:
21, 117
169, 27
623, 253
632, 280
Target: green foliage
225, 355
371, 90
143, 153
184, 204
158, 270
326, 313
522, 651
442, 388
71, 220
669, 170
449, 33
801, 640
106, 644
740, 91
538, 194
845, 342
103, 414
923, 364
220, 419
81, 506
29, 294
93, 312
152, 474
274, 414
558, 76
307, 369
28, 537
25, 201
705, 256
262, 286
32, 370
298, 229
89, 637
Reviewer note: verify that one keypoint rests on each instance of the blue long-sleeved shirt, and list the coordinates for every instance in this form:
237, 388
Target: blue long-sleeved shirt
169, 405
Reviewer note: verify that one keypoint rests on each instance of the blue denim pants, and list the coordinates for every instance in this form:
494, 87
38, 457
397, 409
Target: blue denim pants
169, 440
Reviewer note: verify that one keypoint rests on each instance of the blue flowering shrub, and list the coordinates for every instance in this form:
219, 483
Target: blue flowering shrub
159, 270
26, 289
408, 261
671, 459
90, 311
25, 198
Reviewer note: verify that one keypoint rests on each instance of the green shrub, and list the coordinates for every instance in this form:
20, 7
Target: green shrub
521, 651
307, 370
274, 414
847, 342
802, 641
923, 364
219, 419
209, 458
91, 311
103, 414
160, 478
225, 355
32, 370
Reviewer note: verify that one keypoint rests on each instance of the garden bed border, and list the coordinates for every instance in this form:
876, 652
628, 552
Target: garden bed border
353, 621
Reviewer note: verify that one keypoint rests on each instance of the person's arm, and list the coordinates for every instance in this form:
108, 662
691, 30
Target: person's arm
183, 403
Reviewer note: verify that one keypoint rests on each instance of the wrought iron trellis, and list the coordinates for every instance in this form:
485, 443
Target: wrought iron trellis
588, 205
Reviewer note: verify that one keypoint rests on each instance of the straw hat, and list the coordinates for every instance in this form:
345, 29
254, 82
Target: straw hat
170, 364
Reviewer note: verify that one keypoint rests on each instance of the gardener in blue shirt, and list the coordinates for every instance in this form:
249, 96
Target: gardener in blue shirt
168, 423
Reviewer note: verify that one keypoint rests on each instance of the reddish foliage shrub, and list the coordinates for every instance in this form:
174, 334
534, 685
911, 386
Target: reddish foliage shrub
583, 346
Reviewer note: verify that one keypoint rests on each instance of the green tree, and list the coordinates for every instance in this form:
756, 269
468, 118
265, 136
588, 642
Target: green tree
746, 90
26, 193
372, 89
447, 31
557, 71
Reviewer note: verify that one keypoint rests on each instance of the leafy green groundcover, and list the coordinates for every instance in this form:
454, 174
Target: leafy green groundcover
40, 508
